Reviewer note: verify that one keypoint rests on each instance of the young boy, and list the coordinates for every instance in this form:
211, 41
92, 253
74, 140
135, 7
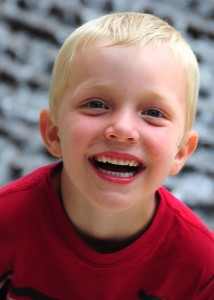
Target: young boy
98, 224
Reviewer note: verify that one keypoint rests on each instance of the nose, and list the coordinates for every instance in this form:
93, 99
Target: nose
122, 129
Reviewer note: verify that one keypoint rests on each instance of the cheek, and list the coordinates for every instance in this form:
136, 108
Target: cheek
163, 144
82, 131
78, 132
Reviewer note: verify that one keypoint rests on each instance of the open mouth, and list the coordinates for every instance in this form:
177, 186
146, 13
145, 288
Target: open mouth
120, 168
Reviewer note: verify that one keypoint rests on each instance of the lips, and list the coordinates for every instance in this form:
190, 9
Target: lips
117, 166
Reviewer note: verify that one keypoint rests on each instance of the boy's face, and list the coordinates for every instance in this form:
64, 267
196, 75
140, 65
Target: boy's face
120, 125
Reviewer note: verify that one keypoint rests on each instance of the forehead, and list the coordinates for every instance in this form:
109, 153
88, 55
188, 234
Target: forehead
148, 66
100, 54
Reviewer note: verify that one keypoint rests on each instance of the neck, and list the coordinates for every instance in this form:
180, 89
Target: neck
106, 231
113, 234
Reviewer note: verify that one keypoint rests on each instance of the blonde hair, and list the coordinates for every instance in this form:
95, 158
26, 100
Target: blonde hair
126, 29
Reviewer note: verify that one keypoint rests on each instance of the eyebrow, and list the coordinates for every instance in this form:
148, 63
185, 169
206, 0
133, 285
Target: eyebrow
97, 85
166, 95
150, 94
85, 87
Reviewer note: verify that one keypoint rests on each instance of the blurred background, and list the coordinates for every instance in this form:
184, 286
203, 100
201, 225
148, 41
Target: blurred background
31, 33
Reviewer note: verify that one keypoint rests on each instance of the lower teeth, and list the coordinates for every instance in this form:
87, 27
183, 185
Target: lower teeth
118, 174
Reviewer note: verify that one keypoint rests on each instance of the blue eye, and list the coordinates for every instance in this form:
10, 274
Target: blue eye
96, 104
153, 113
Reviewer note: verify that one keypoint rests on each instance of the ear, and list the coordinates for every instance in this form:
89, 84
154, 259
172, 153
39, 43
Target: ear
49, 133
185, 151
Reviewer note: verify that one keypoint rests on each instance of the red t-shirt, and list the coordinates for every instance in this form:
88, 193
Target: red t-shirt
42, 257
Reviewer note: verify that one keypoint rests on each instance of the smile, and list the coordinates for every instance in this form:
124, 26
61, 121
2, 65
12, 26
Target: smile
121, 168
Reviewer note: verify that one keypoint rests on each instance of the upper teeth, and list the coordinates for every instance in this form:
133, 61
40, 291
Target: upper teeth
115, 161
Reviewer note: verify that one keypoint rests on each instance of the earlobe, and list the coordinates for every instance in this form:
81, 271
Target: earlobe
184, 152
49, 133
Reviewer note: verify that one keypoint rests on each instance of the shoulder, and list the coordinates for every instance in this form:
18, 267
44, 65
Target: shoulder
190, 235
21, 212
188, 242
19, 197
28, 182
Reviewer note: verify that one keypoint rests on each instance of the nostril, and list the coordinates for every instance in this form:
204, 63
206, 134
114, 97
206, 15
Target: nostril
122, 134
131, 139
112, 136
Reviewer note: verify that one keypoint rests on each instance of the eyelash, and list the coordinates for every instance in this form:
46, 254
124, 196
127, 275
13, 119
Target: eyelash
154, 113
98, 105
